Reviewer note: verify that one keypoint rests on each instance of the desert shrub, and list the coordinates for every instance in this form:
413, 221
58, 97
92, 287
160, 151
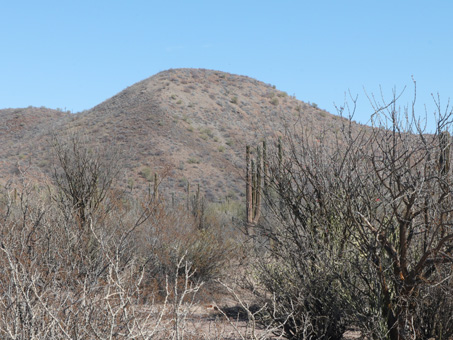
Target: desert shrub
303, 273
433, 304
146, 173
174, 233
361, 225
208, 132
193, 160
83, 174
101, 279
62, 281
274, 101
209, 253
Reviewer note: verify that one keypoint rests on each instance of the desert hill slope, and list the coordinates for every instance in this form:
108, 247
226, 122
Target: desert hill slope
23, 135
192, 124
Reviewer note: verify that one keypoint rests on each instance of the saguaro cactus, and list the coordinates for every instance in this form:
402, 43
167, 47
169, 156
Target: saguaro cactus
199, 208
265, 168
257, 189
253, 186
156, 188
248, 188
188, 196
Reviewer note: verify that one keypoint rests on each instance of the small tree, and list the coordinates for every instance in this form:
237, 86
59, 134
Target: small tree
84, 174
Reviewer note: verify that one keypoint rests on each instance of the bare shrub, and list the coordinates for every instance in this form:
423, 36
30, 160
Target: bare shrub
173, 233
360, 229
64, 279
45, 295
83, 174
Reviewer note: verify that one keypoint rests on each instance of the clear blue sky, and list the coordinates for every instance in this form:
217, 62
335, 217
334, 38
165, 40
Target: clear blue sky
75, 54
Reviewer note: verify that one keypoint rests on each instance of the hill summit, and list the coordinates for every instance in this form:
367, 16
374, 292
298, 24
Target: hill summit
190, 124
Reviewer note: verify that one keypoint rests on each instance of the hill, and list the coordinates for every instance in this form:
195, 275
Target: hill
191, 124
23, 135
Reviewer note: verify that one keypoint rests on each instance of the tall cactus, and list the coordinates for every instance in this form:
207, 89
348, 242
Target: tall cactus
188, 196
198, 208
253, 186
258, 184
248, 188
156, 188
265, 168
281, 178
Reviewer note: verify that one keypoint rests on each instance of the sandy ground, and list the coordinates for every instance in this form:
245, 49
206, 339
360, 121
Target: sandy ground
208, 323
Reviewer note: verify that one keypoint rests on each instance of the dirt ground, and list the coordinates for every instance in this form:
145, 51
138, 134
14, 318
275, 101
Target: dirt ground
207, 322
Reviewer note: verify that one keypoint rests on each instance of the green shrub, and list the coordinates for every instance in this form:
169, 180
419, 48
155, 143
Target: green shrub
193, 160
208, 132
146, 173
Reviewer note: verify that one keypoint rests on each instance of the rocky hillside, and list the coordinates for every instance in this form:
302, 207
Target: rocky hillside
191, 124
23, 138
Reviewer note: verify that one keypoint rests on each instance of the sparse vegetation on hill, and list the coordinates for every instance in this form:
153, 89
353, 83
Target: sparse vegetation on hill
164, 121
